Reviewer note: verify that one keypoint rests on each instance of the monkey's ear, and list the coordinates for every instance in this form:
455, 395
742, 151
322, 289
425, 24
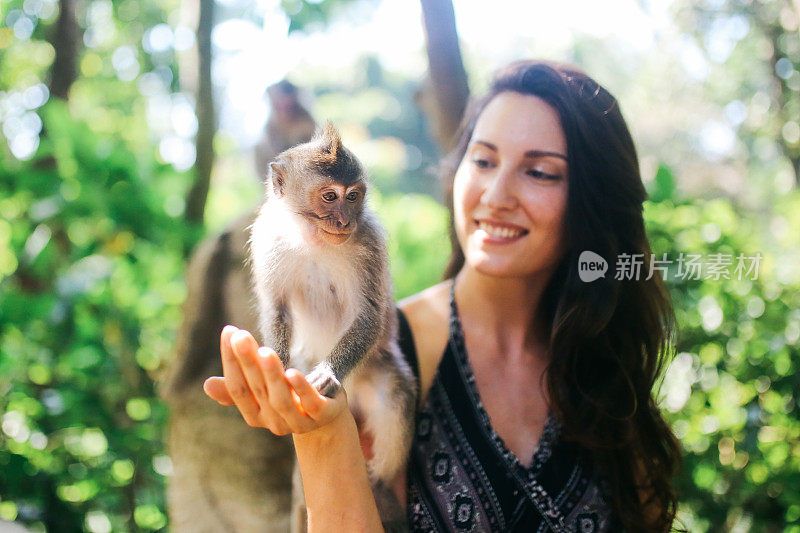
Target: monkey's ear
331, 142
277, 176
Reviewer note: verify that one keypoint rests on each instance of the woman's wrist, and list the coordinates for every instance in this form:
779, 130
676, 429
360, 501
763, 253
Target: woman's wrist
327, 456
338, 428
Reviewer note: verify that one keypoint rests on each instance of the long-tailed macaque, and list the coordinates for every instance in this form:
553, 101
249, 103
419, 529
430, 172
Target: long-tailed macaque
226, 476
289, 124
320, 269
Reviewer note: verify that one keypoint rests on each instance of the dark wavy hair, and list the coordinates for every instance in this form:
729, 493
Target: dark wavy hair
610, 338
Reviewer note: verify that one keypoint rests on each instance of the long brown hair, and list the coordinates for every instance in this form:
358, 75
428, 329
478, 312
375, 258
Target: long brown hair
610, 338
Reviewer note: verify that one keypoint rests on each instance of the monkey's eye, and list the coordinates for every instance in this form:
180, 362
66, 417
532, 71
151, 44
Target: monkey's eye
329, 196
352, 196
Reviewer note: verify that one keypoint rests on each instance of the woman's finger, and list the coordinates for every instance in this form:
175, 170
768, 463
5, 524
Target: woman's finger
280, 393
215, 388
313, 403
245, 349
235, 381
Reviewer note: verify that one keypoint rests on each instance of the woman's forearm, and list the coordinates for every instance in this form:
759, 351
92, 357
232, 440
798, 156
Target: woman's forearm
335, 481
337, 489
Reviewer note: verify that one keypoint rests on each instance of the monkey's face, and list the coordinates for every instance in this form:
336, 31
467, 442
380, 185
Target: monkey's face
335, 210
324, 183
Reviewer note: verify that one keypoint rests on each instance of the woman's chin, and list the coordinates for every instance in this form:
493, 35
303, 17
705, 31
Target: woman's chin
496, 269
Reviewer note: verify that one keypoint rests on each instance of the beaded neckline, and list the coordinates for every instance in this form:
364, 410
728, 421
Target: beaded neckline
551, 428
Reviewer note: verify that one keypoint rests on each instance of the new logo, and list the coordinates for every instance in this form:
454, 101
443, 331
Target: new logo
591, 266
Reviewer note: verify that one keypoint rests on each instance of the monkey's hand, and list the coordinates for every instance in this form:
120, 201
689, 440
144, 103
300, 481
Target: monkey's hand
323, 379
266, 396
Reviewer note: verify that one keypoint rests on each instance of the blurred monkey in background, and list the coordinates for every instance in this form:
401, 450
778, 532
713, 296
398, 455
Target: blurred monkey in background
236, 479
289, 124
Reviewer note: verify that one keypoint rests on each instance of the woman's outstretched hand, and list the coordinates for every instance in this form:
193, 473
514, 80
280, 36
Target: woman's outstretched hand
266, 396
324, 432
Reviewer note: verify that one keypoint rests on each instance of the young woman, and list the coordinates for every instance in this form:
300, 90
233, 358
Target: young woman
536, 405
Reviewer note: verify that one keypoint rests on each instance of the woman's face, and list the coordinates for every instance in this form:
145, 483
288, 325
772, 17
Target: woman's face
510, 189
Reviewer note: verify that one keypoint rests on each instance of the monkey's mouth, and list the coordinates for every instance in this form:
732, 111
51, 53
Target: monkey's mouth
338, 231
326, 228
335, 235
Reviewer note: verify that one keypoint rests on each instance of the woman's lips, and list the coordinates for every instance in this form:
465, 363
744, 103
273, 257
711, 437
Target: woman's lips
498, 232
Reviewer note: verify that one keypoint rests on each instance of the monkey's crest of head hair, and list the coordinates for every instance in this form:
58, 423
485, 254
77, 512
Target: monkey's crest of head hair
332, 159
329, 140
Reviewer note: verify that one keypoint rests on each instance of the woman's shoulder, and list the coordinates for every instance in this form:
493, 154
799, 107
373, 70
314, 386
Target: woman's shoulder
428, 315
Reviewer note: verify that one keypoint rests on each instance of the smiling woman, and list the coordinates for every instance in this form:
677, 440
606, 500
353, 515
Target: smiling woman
536, 408
545, 169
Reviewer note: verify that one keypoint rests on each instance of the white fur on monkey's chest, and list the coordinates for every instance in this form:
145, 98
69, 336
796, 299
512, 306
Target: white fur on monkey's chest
317, 282
322, 306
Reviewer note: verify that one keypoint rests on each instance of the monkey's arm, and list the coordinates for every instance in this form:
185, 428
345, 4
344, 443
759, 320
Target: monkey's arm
277, 329
359, 339
369, 324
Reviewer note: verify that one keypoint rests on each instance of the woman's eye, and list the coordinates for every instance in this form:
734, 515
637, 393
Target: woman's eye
353, 196
329, 196
538, 174
481, 163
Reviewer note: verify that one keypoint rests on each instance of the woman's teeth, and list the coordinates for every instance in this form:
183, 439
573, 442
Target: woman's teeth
503, 233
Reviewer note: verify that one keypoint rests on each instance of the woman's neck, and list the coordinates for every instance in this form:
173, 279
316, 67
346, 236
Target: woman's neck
503, 311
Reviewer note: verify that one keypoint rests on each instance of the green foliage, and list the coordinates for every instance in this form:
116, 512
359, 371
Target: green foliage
91, 281
91, 254
418, 245
90, 296
751, 52
731, 392
399, 150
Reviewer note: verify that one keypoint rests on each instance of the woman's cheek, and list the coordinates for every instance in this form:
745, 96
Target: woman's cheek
548, 215
461, 205
546, 208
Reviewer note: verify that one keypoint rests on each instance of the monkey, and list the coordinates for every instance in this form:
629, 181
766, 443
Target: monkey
289, 124
231, 478
324, 297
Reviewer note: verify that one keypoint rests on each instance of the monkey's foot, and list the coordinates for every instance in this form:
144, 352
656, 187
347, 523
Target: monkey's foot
322, 379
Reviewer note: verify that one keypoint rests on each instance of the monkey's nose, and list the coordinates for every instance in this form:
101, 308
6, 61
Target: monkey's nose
342, 224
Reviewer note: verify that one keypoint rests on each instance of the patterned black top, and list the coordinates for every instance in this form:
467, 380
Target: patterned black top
461, 476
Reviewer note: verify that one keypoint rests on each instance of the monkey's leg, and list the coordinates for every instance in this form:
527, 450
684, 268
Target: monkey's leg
392, 515
283, 333
385, 394
388, 416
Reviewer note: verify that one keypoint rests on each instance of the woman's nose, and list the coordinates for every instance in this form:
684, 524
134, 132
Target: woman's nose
499, 193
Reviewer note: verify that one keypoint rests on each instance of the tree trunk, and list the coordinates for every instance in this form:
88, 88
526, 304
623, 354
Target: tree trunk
448, 90
206, 120
782, 96
65, 38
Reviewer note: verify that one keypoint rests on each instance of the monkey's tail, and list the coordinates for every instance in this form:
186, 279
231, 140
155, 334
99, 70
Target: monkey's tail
197, 347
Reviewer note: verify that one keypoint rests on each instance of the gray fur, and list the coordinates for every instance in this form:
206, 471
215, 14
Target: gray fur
327, 308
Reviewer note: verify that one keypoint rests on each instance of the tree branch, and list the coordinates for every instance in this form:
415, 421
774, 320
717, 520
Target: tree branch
65, 38
206, 119
448, 79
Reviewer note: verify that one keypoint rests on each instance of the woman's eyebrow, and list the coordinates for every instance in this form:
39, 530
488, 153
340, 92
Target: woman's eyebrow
544, 153
529, 153
488, 145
